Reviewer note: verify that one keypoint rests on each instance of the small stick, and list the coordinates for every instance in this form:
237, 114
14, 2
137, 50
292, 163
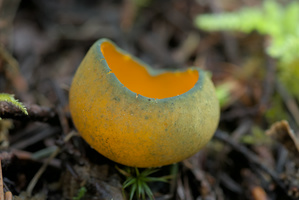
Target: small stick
269, 84
8, 195
1, 183
230, 43
35, 113
44, 166
224, 137
6, 56
13, 72
289, 100
40, 172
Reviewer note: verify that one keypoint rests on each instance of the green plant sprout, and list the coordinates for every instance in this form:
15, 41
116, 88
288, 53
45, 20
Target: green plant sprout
10, 99
137, 181
81, 192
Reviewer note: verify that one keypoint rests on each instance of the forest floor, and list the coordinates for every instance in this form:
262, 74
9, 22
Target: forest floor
42, 44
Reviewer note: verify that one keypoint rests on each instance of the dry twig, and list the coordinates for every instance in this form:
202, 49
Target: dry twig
282, 132
12, 71
35, 113
224, 137
289, 100
1, 184
44, 166
269, 84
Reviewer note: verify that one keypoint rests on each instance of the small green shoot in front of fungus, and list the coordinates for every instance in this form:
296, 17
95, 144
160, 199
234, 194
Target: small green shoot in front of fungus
10, 99
81, 192
137, 182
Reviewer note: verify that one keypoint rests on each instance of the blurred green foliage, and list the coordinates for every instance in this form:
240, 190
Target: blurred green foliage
81, 192
142, 3
257, 137
223, 94
277, 111
281, 24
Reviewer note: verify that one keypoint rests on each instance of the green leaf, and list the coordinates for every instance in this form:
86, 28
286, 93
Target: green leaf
148, 172
148, 191
128, 182
143, 192
137, 171
155, 179
132, 191
139, 187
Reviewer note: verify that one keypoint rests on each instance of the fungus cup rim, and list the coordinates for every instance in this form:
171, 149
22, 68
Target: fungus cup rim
153, 72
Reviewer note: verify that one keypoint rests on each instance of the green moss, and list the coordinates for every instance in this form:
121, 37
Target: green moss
10, 99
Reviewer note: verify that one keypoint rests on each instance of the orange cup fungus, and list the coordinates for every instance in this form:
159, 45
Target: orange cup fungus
138, 116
